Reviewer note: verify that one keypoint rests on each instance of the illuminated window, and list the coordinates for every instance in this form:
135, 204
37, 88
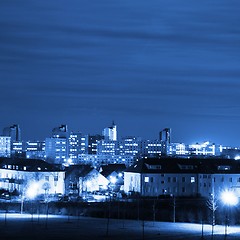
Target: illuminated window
146, 179
192, 179
224, 168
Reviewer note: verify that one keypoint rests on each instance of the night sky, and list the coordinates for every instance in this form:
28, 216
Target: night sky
147, 65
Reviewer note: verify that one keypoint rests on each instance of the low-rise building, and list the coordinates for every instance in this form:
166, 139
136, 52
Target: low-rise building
182, 177
114, 173
81, 179
37, 176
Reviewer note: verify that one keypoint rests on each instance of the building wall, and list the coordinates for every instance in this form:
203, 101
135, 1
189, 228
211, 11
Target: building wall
56, 150
181, 184
93, 181
169, 184
217, 183
23, 180
5, 146
132, 182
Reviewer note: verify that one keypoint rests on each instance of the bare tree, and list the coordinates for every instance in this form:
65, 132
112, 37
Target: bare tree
212, 204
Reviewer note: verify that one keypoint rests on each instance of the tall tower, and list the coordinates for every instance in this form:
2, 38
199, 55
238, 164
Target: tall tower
110, 133
165, 135
14, 132
60, 132
165, 139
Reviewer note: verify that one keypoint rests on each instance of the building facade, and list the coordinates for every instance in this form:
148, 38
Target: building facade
5, 146
110, 133
56, 150
30, 175
182, 177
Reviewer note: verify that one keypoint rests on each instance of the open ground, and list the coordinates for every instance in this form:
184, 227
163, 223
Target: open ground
46, 227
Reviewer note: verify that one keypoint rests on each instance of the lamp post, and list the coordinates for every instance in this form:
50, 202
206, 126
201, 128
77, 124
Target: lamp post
229, 199
22, 201
31, 193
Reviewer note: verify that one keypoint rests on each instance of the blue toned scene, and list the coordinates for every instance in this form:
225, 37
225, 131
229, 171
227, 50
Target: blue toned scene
119, 120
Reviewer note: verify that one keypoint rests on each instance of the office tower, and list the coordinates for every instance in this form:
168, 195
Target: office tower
35, 149
110, 133
17, 149
56, 150
150, 148
76, 145
13, 131
5, 146
60, 132
92, 141
165, 135
165, 139
128, 146
106, 147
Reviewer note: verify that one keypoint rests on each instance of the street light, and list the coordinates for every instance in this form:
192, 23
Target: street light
31, 193
229, 199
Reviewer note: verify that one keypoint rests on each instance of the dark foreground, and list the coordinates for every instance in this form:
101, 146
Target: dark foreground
34, 227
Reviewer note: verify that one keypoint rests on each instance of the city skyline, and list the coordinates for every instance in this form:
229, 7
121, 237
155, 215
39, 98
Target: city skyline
146, 66
109, 133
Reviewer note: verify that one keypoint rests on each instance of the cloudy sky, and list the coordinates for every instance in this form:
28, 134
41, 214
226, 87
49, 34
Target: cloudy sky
146, 65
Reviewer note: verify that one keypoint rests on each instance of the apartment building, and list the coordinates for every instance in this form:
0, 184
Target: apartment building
182, 177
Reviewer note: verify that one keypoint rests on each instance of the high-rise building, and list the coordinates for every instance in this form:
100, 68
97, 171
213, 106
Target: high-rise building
13, 131
5, 146
76, 145
17, 149
92, 141
35, 149
150, 148
128, 146
110, 133
56, 147
106, 147
60, 132
165, 139
56, 150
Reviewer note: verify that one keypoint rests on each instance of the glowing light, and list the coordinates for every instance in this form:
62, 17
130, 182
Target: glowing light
120, 175
32, 190
88, 183
113, 180
229, 198
237, 157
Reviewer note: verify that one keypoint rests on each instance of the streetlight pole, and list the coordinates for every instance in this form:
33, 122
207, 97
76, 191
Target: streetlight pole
229, 199
226, 222
174, 209
22, 200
